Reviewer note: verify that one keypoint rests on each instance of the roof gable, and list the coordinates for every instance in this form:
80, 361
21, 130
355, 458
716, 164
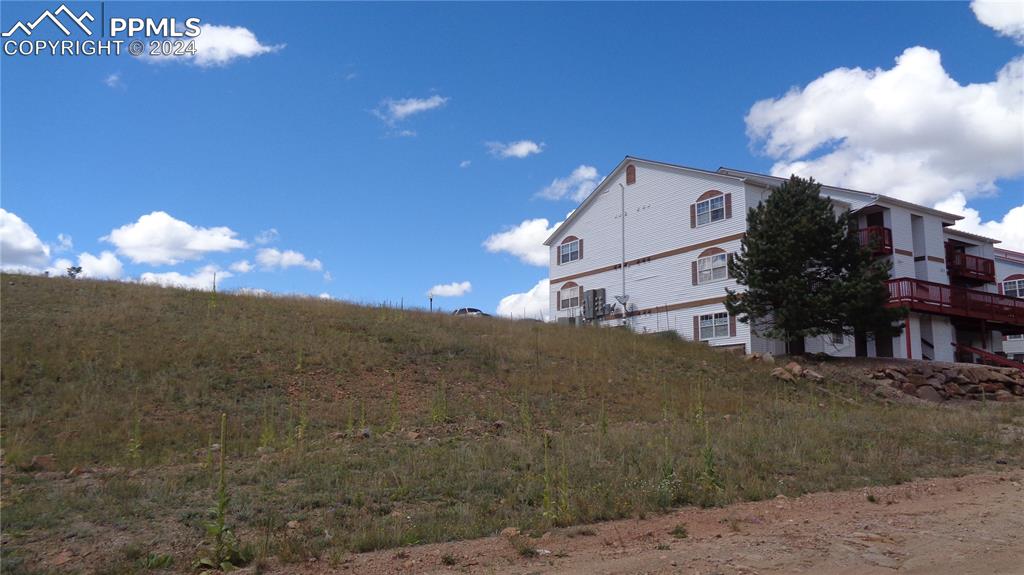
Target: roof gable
614, 175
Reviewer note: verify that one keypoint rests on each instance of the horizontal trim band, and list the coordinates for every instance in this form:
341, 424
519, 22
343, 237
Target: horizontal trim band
671, 307
904, 252
665, 254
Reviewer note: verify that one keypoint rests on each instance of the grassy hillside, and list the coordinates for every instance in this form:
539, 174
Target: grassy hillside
373, 427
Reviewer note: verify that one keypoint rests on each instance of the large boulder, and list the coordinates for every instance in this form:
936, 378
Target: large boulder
1003, 395
795, 368
929, 393
995, 376
782, 374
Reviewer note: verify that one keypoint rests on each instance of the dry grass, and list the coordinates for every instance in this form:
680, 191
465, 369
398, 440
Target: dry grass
474, 425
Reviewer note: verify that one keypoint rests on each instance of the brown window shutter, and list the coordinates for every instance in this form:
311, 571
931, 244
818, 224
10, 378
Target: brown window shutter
732, 326
630, 174
693, 271
581, 248
1000, 286
696, 328
728, 206
693, 215
558, 300
728, 266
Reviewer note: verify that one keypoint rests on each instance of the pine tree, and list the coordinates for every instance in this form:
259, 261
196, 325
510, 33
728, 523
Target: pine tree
805, 272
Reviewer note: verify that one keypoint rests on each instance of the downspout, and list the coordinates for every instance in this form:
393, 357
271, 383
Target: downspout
623, 189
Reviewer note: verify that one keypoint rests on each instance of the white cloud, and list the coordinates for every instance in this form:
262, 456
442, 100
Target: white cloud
267, 236
113, 80
454, 289
105, 266
219, 45
525, 241
270, 258
328, 277
59, 267
392, 111
325, 295
910, 131
465, 163
242, 267
202, 279
532, 304
1005, 17
519, 149
576, 186
20, 247
258, 292
1010, 229
64, 243
158, 238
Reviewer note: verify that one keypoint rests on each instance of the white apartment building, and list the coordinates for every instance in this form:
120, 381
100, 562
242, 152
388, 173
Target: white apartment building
649, 248
1010, 278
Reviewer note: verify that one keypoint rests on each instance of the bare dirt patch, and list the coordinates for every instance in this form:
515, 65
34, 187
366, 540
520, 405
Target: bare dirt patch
967, 525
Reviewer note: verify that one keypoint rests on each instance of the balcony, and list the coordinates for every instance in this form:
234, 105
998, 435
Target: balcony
878, 238
1003, 312
969, 267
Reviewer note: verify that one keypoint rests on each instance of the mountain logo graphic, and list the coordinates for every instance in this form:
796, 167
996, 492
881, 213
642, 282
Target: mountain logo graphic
27, 29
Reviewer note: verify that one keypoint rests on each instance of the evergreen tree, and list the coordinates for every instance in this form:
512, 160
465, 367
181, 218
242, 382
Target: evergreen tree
805, 272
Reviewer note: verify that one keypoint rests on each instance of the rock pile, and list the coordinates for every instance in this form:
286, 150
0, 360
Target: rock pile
793, 370
939, 382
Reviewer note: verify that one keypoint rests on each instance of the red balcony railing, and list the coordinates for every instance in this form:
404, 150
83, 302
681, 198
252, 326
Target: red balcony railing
931, 297
878, 238
962, 265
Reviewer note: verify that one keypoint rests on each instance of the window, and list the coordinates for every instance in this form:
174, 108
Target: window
711, 210
837, 338
712, 268
569, 252
1018, 336
714, 325
569, 297
1014, 288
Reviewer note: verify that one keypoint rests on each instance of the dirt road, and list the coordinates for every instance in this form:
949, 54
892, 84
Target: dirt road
964, 526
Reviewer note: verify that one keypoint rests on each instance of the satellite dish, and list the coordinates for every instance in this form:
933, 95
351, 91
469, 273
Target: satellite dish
622, 299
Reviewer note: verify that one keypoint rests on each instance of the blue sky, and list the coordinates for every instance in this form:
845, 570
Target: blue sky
369, 136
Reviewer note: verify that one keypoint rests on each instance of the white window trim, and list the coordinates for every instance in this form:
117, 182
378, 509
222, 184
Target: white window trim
712, 269
569, 246
1015, 337
700, 320
696, 211
1019, 288
561, 306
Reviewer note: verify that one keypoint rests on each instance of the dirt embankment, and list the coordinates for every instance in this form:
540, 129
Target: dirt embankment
962, 526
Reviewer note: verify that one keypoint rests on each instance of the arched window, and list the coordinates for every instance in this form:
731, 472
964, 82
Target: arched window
630, 174
712, 206
1013, 286
570, 250
569, 295
710, 266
